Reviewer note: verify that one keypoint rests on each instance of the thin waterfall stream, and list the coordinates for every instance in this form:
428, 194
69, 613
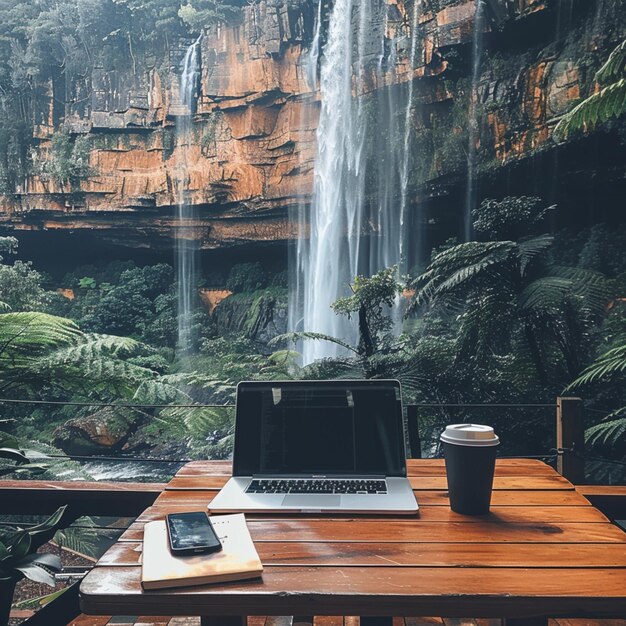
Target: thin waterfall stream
186, 244
473, 119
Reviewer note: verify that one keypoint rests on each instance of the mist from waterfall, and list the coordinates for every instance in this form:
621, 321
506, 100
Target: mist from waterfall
186, 244
473, 119
357, 217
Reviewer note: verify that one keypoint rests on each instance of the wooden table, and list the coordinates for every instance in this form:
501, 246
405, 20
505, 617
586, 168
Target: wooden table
542, 551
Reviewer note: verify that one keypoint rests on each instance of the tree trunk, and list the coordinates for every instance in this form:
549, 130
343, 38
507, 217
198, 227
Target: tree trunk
364, 331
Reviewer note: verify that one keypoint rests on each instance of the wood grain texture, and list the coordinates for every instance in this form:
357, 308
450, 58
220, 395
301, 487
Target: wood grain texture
414, 554
543, 550
513, 592
429, 497
417, 483
415, 467
501, 514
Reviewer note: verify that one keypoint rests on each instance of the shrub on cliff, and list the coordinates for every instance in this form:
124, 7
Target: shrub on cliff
20, 284
246, 277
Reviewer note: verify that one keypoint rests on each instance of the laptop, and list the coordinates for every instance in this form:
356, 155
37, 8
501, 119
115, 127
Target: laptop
318, 446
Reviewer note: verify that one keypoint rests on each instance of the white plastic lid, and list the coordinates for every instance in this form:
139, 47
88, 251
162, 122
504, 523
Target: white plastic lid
470, 435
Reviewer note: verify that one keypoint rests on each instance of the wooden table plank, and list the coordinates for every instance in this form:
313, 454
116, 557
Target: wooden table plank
415, 467
344, 554
428, 497
417, 483
501, 514
401, 531
489, 592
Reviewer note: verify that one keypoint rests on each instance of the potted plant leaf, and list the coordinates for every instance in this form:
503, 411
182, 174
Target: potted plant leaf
18, 546
19, 558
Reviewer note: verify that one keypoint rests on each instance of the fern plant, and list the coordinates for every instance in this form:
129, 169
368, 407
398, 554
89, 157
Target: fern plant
506, 291
609, 102
610, 433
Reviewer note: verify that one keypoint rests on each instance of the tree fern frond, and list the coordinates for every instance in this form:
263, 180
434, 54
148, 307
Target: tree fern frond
529, 249
33, 333
457, 266
609, 363
615, 66
200, 421
610, 434
84, 540
294, 337
594, 287
334, 368
545, 293
99, 357
608, 103
159, 391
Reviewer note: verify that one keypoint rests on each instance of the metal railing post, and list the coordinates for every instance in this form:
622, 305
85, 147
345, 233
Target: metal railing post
570, 439
415, 443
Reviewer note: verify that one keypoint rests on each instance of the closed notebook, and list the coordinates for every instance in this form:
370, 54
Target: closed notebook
237, 560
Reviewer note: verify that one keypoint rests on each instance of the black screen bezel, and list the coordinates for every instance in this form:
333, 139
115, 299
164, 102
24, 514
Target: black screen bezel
239, 468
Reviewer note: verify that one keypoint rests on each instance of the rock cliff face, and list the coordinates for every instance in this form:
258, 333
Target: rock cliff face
252, 154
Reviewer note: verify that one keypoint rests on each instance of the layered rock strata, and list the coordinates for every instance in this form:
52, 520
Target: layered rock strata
253, 149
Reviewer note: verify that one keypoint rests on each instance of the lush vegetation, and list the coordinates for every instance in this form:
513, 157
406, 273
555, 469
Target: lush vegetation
607, 103
518, 316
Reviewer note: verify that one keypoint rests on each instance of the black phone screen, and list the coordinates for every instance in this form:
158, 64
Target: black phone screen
191, 532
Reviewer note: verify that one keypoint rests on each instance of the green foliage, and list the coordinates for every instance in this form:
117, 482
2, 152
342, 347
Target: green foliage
610, 434
20, 287
370, 297
509, 218
608, 364
137, 302
87, 282
84, 540
69, 160
199, 14
508, 296
606, 104
246, 277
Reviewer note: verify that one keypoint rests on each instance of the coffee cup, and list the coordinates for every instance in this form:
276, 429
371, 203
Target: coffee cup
470, 455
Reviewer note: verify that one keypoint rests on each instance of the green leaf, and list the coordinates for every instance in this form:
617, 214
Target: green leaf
13, 455
614, 67
38, 574
49, 560
21, 545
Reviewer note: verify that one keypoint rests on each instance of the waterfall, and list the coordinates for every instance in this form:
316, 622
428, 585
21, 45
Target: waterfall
473, 119
186, 244
357, 214
299, 253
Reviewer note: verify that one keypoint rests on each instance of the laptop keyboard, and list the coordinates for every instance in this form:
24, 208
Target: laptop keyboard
315, 485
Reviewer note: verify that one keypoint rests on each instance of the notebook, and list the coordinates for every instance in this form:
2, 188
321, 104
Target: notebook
238, 559
318, 446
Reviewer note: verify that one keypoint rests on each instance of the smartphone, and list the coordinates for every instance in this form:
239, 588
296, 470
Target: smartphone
191, 533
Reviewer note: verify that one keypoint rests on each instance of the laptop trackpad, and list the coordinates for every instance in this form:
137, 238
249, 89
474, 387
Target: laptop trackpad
311, 501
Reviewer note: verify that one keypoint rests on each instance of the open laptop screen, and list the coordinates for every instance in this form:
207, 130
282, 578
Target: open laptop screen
319, 427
